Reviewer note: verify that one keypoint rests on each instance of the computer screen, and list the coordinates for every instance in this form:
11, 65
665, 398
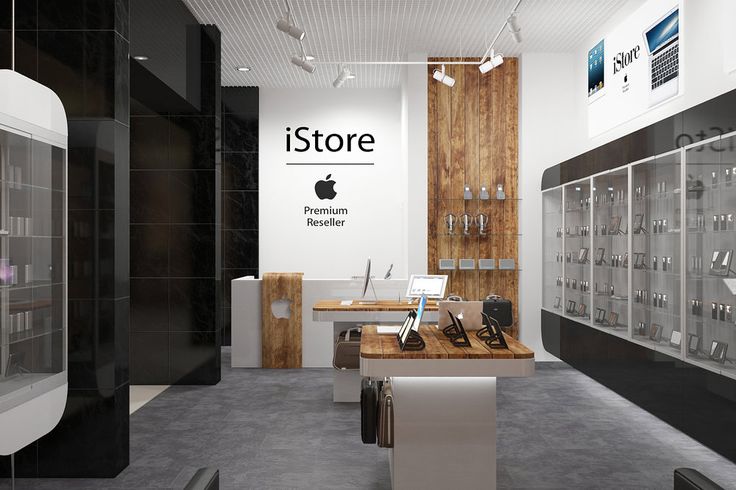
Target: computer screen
663, 31
431, 286
367, 277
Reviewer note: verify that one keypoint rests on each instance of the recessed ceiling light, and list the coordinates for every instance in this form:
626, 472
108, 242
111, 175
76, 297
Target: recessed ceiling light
243, 68
140, 58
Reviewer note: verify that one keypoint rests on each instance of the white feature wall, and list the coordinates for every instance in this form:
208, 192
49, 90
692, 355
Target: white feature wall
544, 121
374, 195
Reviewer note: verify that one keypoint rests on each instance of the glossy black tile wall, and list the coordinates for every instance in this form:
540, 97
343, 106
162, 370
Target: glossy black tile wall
167, 33
240, 190
711, 118
175, 222
79, 48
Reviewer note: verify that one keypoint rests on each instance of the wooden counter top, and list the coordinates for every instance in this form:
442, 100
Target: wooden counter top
385, 346
383, 305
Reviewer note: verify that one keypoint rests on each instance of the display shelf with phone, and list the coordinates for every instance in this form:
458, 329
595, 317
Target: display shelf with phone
553, 256
656, 244
577, 257
646, 252
610, 199
711, 241
32, 287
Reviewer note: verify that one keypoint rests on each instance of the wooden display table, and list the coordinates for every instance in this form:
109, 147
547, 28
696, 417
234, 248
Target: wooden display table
346, 384
444, 405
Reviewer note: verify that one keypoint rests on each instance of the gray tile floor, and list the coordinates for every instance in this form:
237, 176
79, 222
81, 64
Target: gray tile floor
280, 429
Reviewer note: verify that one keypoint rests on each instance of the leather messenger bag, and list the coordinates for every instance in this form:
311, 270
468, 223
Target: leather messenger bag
386, 417
347, 350
500, 309
368, 410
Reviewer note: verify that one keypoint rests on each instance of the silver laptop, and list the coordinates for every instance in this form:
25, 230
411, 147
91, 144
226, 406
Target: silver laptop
663, 46
469, 312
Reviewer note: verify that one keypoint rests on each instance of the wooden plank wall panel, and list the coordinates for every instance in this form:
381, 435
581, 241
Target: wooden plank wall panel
432, 171
473, 139
472, 163
281, 338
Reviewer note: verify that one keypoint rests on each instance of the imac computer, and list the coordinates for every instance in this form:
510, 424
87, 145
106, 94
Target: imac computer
366, 280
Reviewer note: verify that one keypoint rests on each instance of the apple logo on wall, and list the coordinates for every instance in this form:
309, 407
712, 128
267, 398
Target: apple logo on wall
325, 189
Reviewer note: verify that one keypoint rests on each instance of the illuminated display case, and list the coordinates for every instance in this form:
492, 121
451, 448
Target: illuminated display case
656, 244
576, 260
553, 256
33, 320
711, 240
610, 251
647, 253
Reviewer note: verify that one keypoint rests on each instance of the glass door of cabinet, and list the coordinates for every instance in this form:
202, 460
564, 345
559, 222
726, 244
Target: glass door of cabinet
553, 253
655, 257
577, 250
610, 252
32, 249
711, 240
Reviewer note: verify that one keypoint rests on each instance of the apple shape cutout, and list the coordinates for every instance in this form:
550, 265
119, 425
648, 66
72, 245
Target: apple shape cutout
325, 189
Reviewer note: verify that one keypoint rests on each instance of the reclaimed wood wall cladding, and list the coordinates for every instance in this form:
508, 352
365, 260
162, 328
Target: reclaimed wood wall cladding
473, 139
281, 338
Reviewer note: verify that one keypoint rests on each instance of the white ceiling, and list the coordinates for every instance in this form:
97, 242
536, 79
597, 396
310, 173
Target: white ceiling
381, 30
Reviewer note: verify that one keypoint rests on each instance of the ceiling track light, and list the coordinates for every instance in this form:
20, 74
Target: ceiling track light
287, 25
493, 61
488, 63
441, 76
343, 74
513, 26
303, 63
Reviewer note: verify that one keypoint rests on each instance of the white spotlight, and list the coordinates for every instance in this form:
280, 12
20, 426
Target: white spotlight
343, 74
493, 61
308, 67
284, 25
302, 63
440, 76
513, 27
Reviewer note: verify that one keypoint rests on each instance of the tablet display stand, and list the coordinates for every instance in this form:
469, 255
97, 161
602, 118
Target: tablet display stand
414, 342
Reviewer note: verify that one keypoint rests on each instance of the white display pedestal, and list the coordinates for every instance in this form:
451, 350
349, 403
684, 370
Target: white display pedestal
444, 433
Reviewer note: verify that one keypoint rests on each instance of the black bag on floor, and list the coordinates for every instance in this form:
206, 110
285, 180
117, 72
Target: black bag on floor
500, 309
368, 410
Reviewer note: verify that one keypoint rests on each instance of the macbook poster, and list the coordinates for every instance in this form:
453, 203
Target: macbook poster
640, 61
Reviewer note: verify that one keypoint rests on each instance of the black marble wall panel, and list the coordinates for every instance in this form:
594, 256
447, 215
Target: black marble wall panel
175, 180
239, 190
79, 48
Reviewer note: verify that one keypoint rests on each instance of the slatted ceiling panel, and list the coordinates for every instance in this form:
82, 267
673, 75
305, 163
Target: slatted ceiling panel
380, 30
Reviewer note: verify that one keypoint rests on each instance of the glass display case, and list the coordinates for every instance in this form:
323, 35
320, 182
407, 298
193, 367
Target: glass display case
577, 250
655, 239
711, 240
610, 252
32, 290
553, 256
656, 244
